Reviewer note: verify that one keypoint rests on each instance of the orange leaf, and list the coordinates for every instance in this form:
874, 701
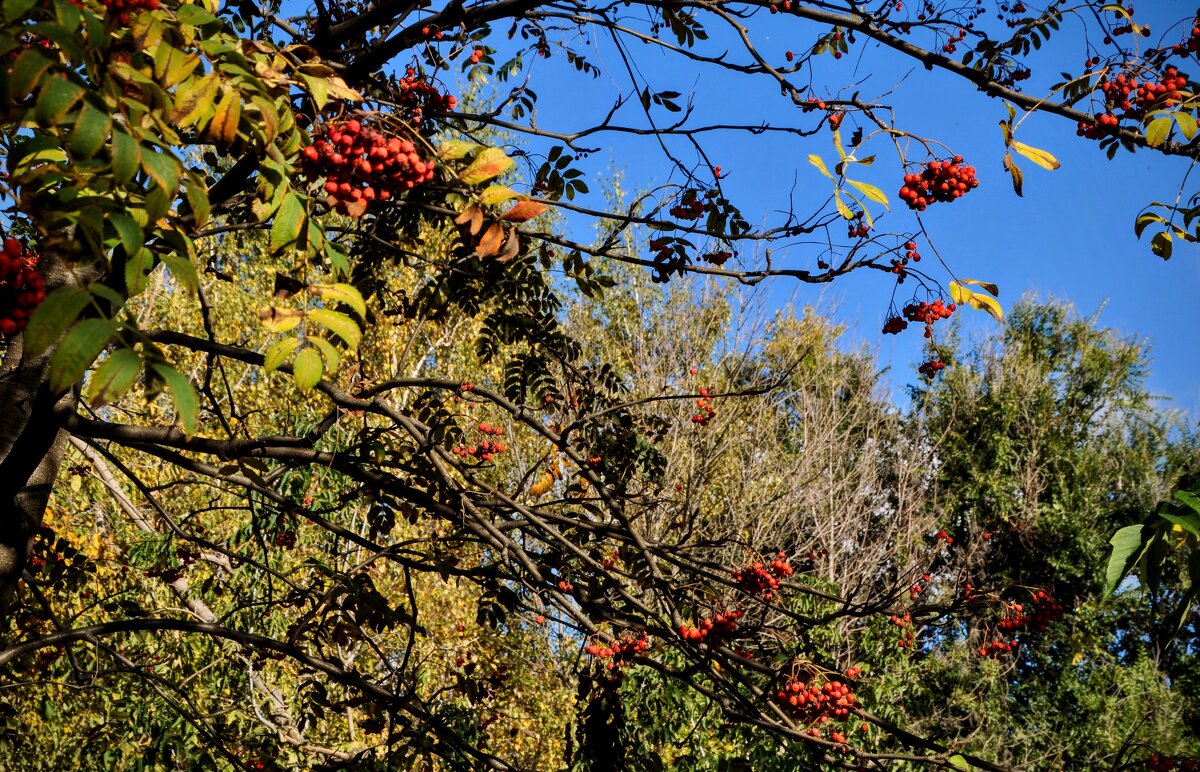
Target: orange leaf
491, 241
523, 211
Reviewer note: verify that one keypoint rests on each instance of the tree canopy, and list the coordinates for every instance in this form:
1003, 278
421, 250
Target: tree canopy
350, 422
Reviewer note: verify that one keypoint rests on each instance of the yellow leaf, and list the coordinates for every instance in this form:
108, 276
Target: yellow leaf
543, 484
491, 162
961, 294
1039, 157
277, 319
494, 194
986, 285
818, 162
224, 125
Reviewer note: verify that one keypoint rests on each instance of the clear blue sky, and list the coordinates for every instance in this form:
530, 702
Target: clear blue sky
1070, 237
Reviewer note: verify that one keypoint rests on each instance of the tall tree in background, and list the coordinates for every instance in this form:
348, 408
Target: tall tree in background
313, 172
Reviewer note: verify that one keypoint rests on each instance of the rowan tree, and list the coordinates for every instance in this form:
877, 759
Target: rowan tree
172, 167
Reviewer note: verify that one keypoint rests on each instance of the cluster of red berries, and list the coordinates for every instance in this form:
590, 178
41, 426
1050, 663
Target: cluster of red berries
1125, 97
1192, 44
998, 647
484, 451
786, 5
928, 313
361, 164
918, 588
943, 536
900, 264
721, 626
22, 288
953, 41
819, 701
763, 579
418, 96
931, 368
613, 558
856, 228
620, 652
907, 636
939, 181
1158, 763
285, 539
717, 258
691, 206
1046, 610
122, 10
706, 409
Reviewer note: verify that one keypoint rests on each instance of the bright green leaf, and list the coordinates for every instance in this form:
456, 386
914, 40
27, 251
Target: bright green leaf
77, 351
870, 191
1157, 131
306, 372
289, 222
278, 353
54, 315
819, 162
183, 393
1125, 543
114, 376
341, 293
339, 324
56, 100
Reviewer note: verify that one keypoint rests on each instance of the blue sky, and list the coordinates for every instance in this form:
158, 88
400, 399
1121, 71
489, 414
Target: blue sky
1070, 237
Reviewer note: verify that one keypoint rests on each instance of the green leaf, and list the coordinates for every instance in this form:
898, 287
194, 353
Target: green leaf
842, 208
27, 71
306, 372
339, 324
53, 315
1126, 543
1189, 522
91, 130
819, 162
454, 149
114, 376
318, 89
278, 353
183, 394
137, 269
1190, 498
1144, 221
182, 269
127, 156
56, 100
128, 231
164, 170
15, 9
197, 198
328, 352
194, 15
1157, 131
1187, 123
341, 293
870, 191
491, 162
77, 351
1039, 157
289, 222
958, 762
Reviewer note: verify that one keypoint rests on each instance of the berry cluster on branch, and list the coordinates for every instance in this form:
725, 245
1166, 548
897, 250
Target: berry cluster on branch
762, 580
362, 163
720, 627
620, 652
818, 700
22, 288
938, 181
